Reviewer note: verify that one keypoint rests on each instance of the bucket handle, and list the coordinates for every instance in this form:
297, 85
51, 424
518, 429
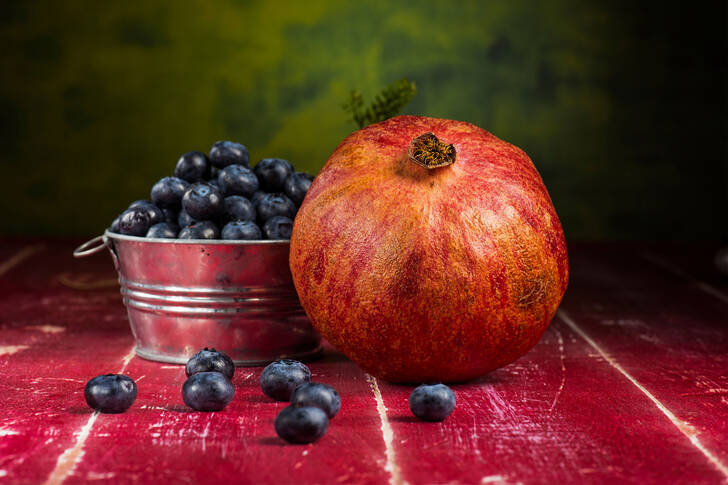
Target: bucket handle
88, 248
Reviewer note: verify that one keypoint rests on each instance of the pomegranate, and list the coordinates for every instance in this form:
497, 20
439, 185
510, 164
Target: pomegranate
429, 250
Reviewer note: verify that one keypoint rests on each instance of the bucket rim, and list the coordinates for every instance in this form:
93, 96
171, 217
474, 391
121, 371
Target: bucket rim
206, 242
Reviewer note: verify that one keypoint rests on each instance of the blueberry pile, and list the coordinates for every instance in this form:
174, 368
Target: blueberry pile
208, 386
219, 197
312, 404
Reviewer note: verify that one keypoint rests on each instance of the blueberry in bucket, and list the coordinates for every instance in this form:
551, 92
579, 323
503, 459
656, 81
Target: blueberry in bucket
110, 393
278, 227
238, 208
272, 172
241, 230
271, 205
168, 192
224, 153
237, 180
210, 360
193, 167
200, 230
134, 222
202, 201
296, 186
164, 230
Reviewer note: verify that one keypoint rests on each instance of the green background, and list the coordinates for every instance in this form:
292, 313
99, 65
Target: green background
621, 107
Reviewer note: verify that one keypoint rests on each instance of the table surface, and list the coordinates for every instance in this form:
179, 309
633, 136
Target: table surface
628, 385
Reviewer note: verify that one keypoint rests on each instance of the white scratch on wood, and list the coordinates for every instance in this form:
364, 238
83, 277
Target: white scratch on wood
685, 428
3, 473
7, 432
72, 456
387, 434
19, 257
47, 328
12, 349
676, 270
204, 436
563, 370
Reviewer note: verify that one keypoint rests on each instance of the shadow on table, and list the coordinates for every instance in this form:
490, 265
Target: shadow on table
79, 410
271, 441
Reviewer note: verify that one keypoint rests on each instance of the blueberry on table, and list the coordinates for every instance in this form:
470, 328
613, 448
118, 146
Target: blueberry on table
184, 219
168, 192
208, 391
271, 205
301, 425
202, 201
193, 167
272, 172
241, 230
318, 395
280, 378
164, 230
200, 230
238, 208
224, 153
432, 402
110, 393
210, 360
135, 222
296, 186
278, 227
237, 180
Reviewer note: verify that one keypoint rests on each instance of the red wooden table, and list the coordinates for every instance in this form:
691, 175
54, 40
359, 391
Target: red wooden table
628, 385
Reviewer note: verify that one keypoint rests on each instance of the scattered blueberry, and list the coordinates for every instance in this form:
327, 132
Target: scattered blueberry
208, 391
114, 227
193, 167
318, 395
165, 230
202, 201
134, 222
210, 360
224, 153
110, 393
241, 230
280, 378
168, 192
296, 186
272, 172
432, 402
278, 227
238, 208
237, 180
271, 205
184, 219
200, 230
301, 425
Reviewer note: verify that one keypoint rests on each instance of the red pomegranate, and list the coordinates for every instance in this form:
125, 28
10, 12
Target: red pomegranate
429, 250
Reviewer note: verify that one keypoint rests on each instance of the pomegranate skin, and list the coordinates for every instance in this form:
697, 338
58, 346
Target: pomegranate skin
429, 275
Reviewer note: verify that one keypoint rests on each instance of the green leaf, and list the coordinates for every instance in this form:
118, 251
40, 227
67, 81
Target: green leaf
389, 102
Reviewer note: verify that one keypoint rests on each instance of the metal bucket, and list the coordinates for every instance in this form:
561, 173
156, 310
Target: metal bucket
183, 295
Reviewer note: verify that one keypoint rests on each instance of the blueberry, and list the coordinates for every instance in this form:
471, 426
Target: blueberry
278, 227
114, 227
135, 222
200, 230
170, 215
208, 391
301, 425
224, 153
318, 395
241, 230
138, 203
202, 201
165, 230
238, 208
192, 167
432, 402
214, 172
210, 360
296, 186
168, 192
255, 198
272, 172
155, 213
271, 205
184, 219
280, 378
237, 180
110, 393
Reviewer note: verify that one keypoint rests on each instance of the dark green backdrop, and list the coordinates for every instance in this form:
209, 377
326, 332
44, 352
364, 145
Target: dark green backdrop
621, 107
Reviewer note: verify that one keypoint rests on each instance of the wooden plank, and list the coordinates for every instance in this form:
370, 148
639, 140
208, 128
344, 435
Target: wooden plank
560, 414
